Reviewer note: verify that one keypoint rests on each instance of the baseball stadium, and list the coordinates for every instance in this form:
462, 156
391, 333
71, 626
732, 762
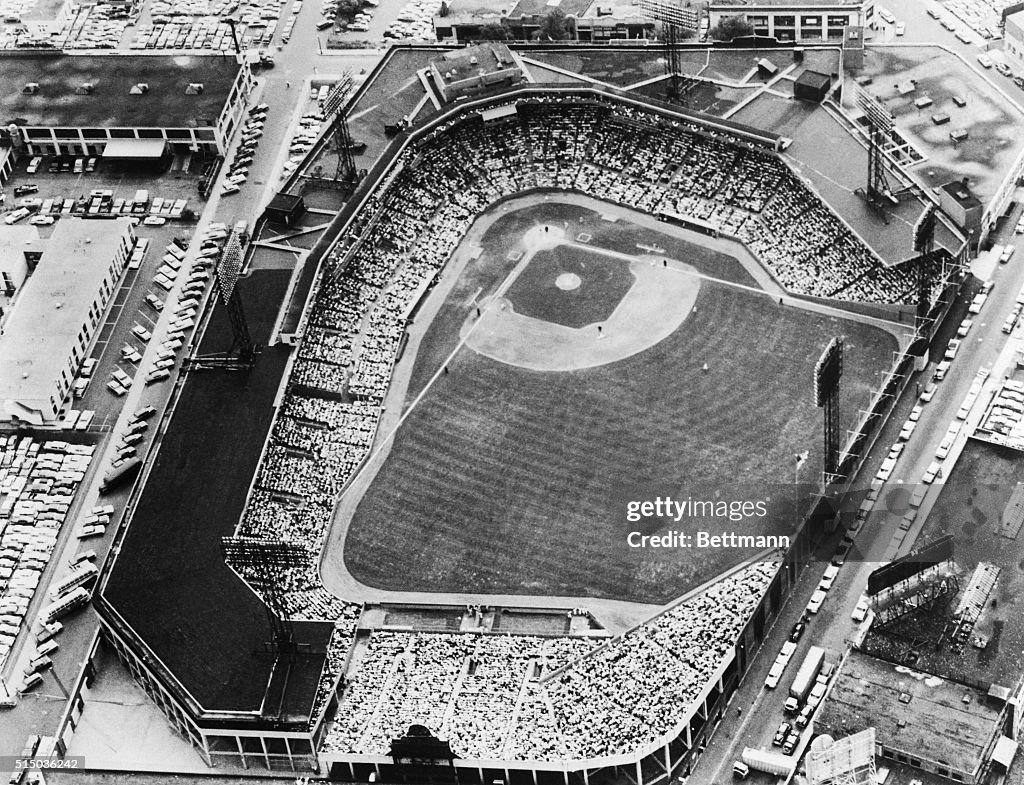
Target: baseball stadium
400, 545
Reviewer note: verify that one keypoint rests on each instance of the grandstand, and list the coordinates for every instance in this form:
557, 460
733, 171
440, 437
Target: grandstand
451, 172
555, 706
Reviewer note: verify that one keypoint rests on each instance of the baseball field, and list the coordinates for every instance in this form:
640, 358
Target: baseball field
666, 372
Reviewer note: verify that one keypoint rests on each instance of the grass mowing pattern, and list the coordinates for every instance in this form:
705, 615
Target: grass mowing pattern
511, 481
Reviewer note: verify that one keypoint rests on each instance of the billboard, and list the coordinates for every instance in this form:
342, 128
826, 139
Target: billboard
914, 562
850, 760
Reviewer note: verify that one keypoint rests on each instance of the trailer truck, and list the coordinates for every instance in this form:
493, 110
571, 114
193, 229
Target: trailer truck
805, 677
769, 762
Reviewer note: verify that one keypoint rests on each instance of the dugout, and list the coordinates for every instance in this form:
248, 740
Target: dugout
812, 86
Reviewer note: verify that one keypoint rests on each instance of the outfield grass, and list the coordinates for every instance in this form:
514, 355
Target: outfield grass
604, 281
508, 480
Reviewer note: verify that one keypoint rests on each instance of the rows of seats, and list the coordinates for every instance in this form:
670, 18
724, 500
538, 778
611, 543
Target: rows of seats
335, 658
467, 687
526, 697
352, 332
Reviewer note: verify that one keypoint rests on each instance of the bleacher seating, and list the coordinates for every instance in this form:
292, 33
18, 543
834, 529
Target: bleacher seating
526, 697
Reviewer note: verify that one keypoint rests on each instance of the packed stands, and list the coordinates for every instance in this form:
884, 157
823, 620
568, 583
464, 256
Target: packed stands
399, 242
38, 481
546, 699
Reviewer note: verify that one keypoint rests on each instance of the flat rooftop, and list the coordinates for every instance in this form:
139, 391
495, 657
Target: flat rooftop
542, 7
926, 716
54, 304
462, 64
170, 583
979, 488
753, 5
60, 101
15, 240
469, 8
994, 143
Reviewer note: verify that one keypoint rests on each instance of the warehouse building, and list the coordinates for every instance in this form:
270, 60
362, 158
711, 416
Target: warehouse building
56, 315
921, 720
588, 20
147, 105
801, 21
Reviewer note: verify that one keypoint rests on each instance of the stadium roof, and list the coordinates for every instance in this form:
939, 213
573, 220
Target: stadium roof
170, 584
62, 100
53, 305
474, 60
917, 713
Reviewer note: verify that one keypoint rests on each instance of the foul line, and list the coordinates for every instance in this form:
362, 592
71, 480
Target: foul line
514, 274
499, 292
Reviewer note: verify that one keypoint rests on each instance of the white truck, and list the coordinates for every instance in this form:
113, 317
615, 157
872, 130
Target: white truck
769, 762
808, 672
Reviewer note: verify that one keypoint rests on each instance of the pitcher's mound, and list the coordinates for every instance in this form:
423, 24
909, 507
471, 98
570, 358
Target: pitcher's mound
658, 301
568, 281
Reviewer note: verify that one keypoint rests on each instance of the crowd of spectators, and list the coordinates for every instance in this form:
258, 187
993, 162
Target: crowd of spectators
464, 686
335, 658
531, 698
644, 676
629, 691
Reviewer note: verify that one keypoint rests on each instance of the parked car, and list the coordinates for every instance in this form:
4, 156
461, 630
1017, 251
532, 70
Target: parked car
932, 473
816, 600
798, 630
829, 577
781, 734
